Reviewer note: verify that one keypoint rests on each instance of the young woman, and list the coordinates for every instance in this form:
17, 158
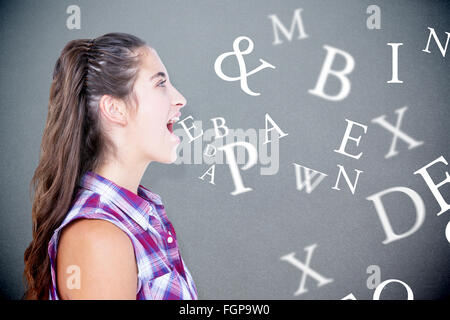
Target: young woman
98, 233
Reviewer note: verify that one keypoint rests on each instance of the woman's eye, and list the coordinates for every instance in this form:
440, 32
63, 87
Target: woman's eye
162, 83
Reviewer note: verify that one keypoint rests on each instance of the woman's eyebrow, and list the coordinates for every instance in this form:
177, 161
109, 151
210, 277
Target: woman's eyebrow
159, 74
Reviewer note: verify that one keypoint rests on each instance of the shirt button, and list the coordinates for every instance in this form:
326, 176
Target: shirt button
169, 239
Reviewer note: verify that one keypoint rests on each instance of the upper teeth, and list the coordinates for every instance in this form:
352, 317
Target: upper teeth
173, 120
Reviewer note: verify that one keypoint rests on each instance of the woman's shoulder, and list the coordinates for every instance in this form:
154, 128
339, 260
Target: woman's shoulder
91, 205
89, 215
95, 235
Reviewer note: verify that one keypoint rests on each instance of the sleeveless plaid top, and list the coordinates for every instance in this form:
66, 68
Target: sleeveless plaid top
162, 273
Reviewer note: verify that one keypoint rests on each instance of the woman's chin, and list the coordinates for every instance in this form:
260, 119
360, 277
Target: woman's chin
170, 158
167, 157
174, 156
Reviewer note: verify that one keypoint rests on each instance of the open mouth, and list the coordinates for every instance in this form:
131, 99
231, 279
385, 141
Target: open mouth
170, 127
171, 122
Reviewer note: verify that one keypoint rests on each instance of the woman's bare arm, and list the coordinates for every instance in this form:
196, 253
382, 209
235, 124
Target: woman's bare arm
104, 256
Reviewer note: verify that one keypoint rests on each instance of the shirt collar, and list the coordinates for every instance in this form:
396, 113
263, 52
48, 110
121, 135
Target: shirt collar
136, 206
153, 197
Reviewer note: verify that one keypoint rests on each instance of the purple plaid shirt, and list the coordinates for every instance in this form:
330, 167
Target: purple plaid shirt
162, 273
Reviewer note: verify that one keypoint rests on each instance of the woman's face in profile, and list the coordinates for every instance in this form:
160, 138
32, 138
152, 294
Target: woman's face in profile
159, 102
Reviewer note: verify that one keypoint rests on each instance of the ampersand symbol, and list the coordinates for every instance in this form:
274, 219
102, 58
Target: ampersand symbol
242, 68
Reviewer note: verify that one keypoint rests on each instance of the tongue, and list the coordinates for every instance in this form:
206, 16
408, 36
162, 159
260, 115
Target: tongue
169, 126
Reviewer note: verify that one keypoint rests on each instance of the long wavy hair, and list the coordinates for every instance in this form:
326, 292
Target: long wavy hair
73, 140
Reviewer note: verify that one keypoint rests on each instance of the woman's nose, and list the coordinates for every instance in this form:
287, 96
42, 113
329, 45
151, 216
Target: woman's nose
178, 99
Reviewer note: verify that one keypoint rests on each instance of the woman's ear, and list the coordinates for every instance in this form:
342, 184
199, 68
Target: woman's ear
113, 110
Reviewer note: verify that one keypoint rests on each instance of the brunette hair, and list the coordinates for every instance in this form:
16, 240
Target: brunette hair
73, 140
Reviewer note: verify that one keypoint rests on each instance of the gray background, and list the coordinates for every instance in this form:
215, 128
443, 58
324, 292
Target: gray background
233, 244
